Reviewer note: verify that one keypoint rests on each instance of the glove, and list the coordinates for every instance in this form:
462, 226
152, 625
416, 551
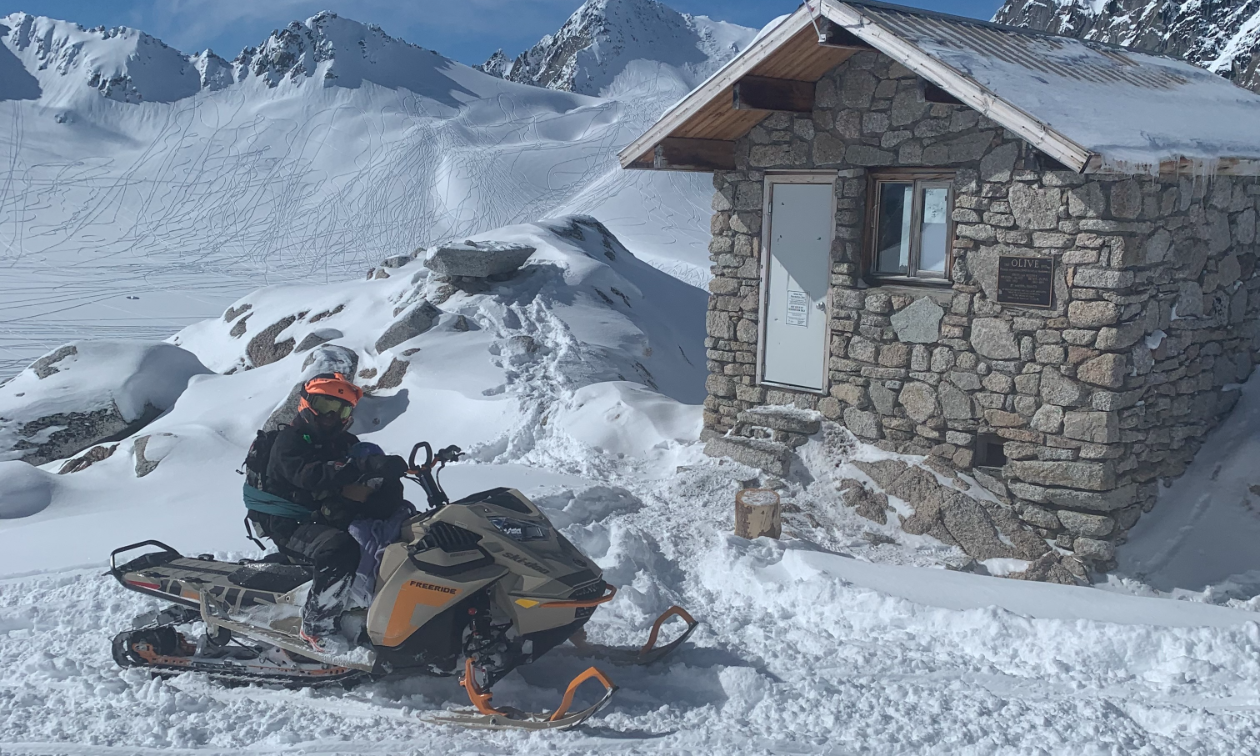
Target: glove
391, 466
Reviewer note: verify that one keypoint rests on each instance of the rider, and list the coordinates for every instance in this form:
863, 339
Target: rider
310, 465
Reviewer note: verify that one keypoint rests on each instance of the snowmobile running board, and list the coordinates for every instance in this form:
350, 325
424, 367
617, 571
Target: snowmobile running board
215, 615
650, 652
486, 717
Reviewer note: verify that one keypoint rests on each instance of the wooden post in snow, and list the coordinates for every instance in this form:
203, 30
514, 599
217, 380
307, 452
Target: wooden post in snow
758, 513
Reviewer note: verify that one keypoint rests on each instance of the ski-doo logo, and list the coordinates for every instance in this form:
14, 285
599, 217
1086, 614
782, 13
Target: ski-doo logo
432, 587
526, 562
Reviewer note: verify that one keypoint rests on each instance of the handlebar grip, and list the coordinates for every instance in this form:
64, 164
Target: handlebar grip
428, 456
451, 453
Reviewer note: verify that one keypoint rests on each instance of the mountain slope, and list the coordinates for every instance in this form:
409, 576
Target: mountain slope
145, 189
604, 37
1222, 36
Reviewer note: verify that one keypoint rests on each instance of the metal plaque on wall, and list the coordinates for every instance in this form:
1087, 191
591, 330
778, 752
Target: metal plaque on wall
1026, 281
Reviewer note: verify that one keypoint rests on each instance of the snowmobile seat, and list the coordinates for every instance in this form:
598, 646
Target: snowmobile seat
272, 578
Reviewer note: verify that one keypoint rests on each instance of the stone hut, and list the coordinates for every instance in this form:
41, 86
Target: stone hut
1029, 257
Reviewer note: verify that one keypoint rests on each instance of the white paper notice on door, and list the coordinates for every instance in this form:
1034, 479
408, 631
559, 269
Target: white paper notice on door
797, 308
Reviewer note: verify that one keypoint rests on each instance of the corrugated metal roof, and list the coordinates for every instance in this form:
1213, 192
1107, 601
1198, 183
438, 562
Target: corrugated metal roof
1089, 105
1035, 52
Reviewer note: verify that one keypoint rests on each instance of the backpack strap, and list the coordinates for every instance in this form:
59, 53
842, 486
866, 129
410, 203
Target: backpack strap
265, 503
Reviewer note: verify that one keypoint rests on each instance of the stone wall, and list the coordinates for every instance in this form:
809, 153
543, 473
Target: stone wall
1095, 398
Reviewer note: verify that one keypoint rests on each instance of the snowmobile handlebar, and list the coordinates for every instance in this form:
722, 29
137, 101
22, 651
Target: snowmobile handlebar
423, 474
450, 453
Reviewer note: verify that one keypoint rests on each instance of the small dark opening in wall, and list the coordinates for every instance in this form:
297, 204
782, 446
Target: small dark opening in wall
934, 94
990, 450
1043, 162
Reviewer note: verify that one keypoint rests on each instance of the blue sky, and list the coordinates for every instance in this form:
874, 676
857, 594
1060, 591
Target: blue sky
467, 30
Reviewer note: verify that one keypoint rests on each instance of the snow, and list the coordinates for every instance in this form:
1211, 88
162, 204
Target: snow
329, 148
628, 419
820, 639
1239, 45
129, 375
1204, 530
24, 490
125, 379
603, 39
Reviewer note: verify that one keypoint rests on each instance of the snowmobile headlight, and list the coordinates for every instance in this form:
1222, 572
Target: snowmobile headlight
517, 530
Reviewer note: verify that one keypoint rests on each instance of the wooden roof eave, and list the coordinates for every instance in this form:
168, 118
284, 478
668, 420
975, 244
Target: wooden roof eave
641, 150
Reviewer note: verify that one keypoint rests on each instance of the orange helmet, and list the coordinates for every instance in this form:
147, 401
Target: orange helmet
341, 398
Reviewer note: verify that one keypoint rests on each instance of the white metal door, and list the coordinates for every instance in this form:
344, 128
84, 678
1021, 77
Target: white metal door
798, 275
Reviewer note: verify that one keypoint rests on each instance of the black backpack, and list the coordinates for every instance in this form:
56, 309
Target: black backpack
257, 458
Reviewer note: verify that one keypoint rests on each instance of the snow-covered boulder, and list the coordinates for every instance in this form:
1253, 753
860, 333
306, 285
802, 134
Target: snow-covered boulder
24, 490
88, 392
477, 259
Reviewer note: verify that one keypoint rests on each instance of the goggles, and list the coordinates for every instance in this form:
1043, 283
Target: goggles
327, 405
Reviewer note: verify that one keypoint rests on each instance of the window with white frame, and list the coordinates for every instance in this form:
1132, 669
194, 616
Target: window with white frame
911, 233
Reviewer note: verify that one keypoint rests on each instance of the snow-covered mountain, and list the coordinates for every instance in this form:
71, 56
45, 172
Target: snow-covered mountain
129, 66
1223, 36
144, 189
604, 37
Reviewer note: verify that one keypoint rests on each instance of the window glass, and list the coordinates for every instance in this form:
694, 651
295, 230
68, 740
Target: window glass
933, 242
896, 205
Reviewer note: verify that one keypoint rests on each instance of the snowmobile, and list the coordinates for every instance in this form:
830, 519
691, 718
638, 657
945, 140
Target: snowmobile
486, 579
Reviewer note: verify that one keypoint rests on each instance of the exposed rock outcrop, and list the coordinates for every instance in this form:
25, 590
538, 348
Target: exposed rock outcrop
477, 259
981, 528
263, 349
419, 319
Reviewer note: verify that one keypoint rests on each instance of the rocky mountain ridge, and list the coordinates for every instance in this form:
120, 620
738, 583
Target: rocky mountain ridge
58, 58
1222, 36
602, 37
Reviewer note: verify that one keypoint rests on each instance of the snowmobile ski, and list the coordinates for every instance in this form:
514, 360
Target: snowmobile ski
649, 653
487, 717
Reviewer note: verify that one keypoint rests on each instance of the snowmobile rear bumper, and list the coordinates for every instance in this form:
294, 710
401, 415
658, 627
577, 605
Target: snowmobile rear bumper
142, 562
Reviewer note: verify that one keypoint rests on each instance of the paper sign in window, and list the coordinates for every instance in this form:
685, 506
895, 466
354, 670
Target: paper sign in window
797, 308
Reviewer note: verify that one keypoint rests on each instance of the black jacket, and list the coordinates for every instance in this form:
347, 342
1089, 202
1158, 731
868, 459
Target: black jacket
309, 469
312, 471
